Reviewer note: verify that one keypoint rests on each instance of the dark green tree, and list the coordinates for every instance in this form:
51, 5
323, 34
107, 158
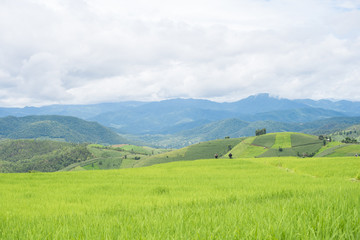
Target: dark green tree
259, 132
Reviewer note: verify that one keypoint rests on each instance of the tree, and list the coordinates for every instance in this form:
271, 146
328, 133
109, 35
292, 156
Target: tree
349, 140
259, 132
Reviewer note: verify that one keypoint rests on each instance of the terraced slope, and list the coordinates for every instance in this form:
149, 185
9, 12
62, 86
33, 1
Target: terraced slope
204, 150
278, 145
115, 157
345, 150
247, 148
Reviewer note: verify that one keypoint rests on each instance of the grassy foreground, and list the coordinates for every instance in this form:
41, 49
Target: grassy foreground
272, 198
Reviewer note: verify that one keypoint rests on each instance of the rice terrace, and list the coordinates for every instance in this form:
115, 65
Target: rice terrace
276, 186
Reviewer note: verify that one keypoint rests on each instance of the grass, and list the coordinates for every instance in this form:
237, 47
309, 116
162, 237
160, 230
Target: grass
346, 150
267, 140
272, 198
299, 139
285, 152
278, 145
282, 140
328, 148
329, 167
115, 157
142, 150
246, 149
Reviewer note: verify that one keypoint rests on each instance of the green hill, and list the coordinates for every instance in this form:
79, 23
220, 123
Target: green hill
40, 155
278, 145
340, 150
69, 129
282, 144
49, 156
203, 150
352, 132
114, 157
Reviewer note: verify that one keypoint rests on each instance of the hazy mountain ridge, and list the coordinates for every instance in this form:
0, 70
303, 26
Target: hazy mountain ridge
180, 122
69, 129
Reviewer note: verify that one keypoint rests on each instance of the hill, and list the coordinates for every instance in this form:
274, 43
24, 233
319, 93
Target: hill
284, 144
341, 150
40, 155
352, 132
69, 129
203, 150
49, 156
278, 145
114, 157
270, 145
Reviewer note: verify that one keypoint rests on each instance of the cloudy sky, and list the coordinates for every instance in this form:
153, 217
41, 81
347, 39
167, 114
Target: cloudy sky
90, 51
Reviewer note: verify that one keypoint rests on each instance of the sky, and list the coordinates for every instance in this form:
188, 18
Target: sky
92, 51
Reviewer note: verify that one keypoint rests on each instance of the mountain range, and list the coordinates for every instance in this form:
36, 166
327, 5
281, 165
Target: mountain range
185, 121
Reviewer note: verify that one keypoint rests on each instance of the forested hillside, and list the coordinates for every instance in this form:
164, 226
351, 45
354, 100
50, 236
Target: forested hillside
40, 155
69, 129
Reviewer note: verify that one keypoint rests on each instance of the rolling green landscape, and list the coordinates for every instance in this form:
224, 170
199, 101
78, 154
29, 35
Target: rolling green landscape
50, 156
283, 185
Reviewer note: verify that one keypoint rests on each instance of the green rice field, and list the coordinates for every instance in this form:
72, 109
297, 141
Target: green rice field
243, 198
282, 140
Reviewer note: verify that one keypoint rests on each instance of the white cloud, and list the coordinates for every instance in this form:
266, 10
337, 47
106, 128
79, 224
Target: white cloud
87, 51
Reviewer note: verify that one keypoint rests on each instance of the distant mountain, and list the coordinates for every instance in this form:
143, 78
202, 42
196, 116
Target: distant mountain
327, 126
80, 111
264, 103
348, 107
69, 129
174, 116
177, 115
152, 120
216, 130
236, 128
298, 115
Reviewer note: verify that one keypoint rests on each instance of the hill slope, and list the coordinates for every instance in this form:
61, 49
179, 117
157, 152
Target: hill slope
69, 129
279, 145
203, 150
269, 145
39, 155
